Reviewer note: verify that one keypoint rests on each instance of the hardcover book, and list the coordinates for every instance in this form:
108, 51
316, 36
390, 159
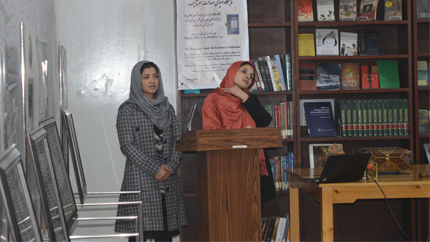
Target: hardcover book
368, 42
281, 71
368, 10
302, 107
307, 76
347, 10
350, 76
328, 76
348, 44
288, 71
306, 45
369, 77
327, 41
422, 73
259, 75
388, 74
304, 11
320, 119
325, 10
392, 10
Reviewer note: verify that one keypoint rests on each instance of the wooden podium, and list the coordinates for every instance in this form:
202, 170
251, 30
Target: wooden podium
229, 180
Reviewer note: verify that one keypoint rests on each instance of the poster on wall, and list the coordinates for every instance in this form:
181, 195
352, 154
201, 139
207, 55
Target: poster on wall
211, 35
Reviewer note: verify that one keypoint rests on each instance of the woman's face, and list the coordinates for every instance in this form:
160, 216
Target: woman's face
244, 77
149, 82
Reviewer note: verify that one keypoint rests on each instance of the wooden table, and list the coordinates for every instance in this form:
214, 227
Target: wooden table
394, 186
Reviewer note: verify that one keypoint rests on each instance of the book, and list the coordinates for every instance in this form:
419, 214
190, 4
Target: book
325, 10
259, 75
320, 119
347, 10
423, 75
265, 73
423, 121
281, 72
288, 70
374, 77
423, 9
350, 76
427, 151
302, 107
369, 77
368, 42
392, 10
368, 10
306, 45
281, 229
275, 229
328, 76
318, 153
327, 41
388, 74
273, 73
348, 44
307, 76
304, 11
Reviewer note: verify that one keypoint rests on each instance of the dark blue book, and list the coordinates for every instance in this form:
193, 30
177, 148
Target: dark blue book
319, 118
368, 42
328, 76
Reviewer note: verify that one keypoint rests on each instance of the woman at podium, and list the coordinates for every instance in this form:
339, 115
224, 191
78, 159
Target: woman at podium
147, 131
231, 107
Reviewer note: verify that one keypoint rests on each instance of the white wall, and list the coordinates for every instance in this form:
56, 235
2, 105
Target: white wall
103, 40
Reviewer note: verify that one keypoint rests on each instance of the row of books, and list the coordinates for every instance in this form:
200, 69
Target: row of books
348, 10
423, 121
373, 117
423, 73
346, 76
275, 229
274, 73
282, 116
278, 165
326, 43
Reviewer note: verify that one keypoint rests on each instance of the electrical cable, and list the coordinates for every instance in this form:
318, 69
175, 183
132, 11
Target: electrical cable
391, 212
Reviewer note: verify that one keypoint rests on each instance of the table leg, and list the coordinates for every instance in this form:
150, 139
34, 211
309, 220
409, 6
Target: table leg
327, 214
294, 214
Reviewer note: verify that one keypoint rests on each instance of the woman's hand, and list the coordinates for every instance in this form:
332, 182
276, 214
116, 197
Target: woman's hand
237, 92
164, 173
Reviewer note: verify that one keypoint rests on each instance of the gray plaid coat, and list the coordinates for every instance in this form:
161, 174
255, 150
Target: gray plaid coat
136, 139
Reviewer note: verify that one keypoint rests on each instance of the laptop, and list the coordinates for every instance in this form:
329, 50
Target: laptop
342, 168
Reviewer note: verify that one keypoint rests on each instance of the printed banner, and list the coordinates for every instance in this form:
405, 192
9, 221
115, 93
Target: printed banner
211, 35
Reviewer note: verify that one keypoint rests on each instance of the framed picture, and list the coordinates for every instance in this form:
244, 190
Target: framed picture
76, 156
427, 151
318, 153
63, 181
16, 198
47, 184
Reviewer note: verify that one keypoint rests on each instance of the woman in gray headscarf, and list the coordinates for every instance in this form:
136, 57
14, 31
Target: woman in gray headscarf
147, 131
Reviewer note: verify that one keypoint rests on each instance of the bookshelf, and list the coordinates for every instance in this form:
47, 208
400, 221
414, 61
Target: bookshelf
273, 29
421, 51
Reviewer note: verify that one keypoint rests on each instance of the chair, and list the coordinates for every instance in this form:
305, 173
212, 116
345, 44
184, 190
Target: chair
16, 198
47, 178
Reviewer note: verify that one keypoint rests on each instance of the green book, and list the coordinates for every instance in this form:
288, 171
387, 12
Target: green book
350, 125
385, 117
354, 118
388, 74
380, 119
365, 108
400, 118
406, 115
375, 118
390, 126
343, 121
370, 117
395, 117
360, 118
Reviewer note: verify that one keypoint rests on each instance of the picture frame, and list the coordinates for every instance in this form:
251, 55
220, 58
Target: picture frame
16, 197
65, 188
318, 153
427, 151
76, 156
47, 185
